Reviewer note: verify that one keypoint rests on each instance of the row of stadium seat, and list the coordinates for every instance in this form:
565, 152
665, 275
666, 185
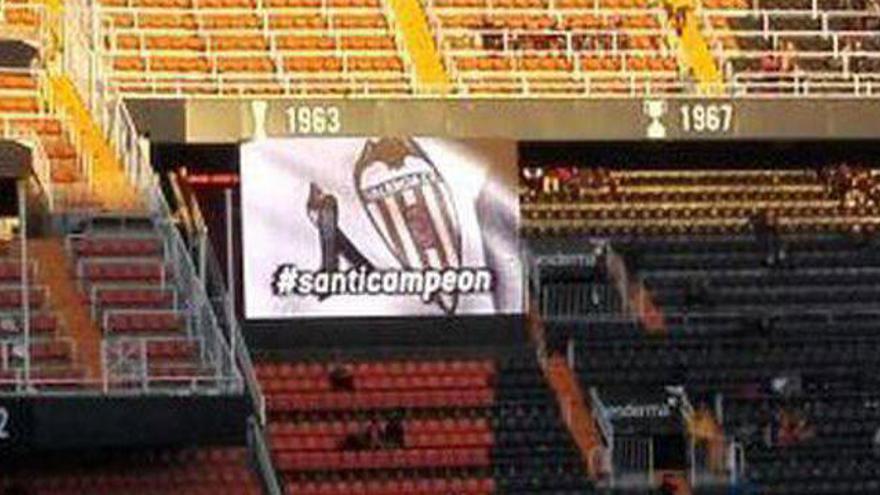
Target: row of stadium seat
216, 470
782, 47
451, 435
52, 354
127, 281
483, 486
413, 426
22, 113
272, 48
564, 47
793, 46
571, 199
794, 338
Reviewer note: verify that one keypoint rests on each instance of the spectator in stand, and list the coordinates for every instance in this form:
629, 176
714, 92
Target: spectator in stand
533, 178
668, 486
394, 434
770, 63
765, 226
877, 443
341, 379
788, 57
872, 21
793, 429
374, 434
491, 38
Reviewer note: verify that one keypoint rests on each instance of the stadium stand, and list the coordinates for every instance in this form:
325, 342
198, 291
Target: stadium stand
243, 47
52, 356
765, 319
114, 311
218, 470
694, 201
430, 426
128, 281
554, 48
798, 48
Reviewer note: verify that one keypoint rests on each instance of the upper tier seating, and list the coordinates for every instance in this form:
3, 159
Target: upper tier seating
237, 47
465, 426
566, 47
785, 47
21, 116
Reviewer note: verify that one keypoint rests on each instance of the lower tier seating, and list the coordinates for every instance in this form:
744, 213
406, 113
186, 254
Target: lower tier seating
419, 427
780, 330
207, 471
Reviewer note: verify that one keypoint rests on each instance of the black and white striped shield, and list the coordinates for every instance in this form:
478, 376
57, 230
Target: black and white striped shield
411, 206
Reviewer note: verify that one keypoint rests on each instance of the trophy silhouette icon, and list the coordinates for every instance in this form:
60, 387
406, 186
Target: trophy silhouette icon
656, 110
258, 111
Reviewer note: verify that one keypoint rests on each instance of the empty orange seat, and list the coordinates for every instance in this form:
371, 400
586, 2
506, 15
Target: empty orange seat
375, 64
41, 126
243, 42
230, 21
368, 43
175, 43
292, 3
365, 21
484, 64
21, 17
163, 4
127, 42
227, 4
545, 64
245, 64
179, 64
301, 21
519, 4
128, 64
17, 81
122, 20
586, 21
313, 64
16, 104
164, 21
299, 42
460, 3
461, 20
348, 4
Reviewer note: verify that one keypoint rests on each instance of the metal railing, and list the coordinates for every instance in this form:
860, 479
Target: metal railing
214, 300
600, 412
222, 299
126, 359
263, 457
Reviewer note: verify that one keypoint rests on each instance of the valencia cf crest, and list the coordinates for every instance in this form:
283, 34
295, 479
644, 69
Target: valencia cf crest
411, 207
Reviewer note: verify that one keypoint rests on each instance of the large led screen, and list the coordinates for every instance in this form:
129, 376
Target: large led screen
380, 227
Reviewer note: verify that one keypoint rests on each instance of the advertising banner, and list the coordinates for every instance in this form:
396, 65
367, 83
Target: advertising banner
380, 227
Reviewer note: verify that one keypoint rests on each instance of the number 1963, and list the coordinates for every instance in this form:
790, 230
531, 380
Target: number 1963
706, 117
314, 119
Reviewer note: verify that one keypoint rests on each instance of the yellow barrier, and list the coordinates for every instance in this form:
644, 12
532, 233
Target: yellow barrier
699, 57
418, 42
109, 185
692, 45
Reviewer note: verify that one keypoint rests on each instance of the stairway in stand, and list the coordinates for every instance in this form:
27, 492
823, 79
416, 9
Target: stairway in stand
55, 273
576, 413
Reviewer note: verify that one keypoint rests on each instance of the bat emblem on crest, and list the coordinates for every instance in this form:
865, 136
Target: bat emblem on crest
411, 206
